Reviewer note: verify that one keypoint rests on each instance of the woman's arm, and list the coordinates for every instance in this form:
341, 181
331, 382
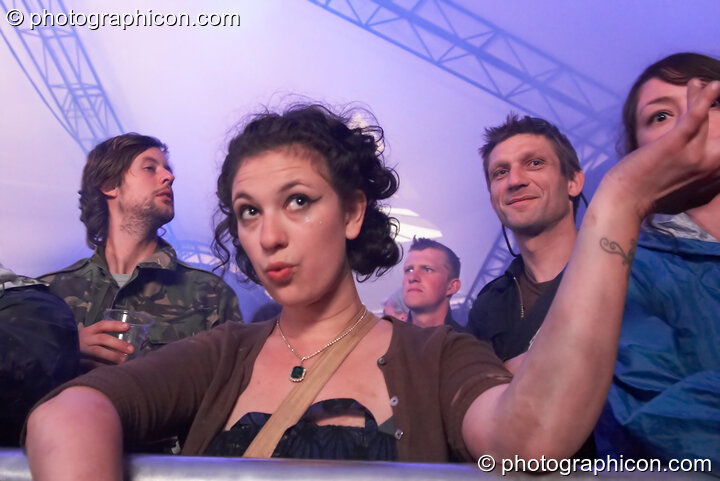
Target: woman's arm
152, 397
556, 396
75, 436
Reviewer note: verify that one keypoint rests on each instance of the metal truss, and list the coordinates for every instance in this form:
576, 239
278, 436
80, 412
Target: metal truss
54, 60
192, 252
475, 50
482, 54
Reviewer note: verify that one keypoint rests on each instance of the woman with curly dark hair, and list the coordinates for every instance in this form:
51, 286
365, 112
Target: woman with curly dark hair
299, 193
349, 160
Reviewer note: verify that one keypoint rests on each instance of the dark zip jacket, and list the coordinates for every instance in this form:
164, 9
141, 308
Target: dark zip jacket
499, 315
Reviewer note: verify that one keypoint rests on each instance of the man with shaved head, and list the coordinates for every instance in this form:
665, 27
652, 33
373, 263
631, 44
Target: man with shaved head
432, 276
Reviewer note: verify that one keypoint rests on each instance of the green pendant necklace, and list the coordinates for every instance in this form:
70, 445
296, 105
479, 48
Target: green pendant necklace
297, 374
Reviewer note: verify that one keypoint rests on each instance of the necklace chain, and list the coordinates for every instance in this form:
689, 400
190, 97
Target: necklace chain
337, 339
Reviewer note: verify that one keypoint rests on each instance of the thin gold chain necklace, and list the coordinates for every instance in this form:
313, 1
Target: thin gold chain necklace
297, 374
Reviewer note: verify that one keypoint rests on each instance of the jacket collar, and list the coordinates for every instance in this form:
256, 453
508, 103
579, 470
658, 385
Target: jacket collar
516, 267
448, 321
677, 234
680, 225
164, 257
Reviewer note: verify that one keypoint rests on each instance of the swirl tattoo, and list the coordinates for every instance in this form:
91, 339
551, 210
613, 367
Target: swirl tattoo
612, 247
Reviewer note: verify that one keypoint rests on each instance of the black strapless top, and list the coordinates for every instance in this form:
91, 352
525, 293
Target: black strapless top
307, 440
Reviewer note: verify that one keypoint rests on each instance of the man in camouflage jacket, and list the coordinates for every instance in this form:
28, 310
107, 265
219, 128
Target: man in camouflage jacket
125, 197
183, 300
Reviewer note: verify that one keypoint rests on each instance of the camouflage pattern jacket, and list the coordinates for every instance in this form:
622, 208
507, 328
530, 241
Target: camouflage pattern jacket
182, 299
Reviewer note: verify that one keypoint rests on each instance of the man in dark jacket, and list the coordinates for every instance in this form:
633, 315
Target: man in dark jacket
535, 183
534, 178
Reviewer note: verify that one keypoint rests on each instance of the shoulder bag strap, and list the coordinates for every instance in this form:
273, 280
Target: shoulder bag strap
304, 393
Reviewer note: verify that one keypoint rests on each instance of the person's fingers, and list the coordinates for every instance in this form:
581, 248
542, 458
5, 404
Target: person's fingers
85, 336
98, 352
109, 342
94, 342
109, 326
106, 341
699, 97
680, 169
713, 143
694, 88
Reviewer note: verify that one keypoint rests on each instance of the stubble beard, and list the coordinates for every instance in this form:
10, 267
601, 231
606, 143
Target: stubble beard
536, 226
143, 220
532, 229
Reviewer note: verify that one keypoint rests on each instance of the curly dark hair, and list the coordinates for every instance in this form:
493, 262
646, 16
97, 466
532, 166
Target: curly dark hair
514, 125
676, 69
105, 167
354, 161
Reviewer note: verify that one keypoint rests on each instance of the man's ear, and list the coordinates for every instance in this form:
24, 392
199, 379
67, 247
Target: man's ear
110, 192
453, 287
576, 184
354, 214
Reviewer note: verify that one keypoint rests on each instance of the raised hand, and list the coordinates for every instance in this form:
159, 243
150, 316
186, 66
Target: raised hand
681, 169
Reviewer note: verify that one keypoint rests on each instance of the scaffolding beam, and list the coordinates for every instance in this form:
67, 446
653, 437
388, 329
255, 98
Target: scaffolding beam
57, 65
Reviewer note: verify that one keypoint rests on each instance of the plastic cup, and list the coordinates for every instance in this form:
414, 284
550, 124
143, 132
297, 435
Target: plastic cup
138, 334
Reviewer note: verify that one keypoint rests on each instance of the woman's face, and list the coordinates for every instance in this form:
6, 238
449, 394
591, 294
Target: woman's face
292, 224
660, 105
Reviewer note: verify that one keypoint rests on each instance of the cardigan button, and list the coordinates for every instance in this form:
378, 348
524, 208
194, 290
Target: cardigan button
398, 434
382, 361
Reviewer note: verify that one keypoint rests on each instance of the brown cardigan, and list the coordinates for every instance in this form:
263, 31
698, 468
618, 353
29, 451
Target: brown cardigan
191, 386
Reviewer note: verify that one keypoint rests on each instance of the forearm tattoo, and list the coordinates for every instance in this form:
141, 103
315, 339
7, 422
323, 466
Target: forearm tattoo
612, 247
